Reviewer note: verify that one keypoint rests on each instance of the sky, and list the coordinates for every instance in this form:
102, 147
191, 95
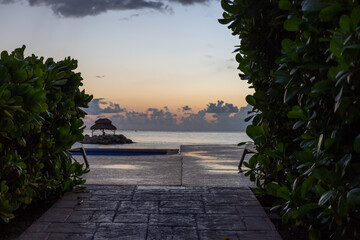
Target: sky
143, 56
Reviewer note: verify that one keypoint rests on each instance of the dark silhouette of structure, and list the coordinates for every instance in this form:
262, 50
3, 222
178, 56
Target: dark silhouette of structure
102, 124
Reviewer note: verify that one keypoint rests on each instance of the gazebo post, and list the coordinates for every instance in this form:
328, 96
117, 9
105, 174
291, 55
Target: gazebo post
92, 132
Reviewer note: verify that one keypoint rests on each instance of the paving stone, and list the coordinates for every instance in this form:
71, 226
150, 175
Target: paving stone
66, 204
218, 235
230, 190
158, 188
110, 187
38, 227
71, 228
231, 200
181, 204
190, 190
258, 223
173, 233
263, 235
54, 215
176, 220
138, 207
70, 236
229, 209
111, 197
33, 236
251, 211
166, 197
75, 196
120, 231
181, 207
131, 218
80, 216
220, 222
111, 191
103, 216
97, 205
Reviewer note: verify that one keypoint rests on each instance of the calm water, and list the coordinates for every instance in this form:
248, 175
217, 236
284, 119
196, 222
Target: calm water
160, 139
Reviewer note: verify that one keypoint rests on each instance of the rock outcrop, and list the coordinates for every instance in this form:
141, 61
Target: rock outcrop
106, 139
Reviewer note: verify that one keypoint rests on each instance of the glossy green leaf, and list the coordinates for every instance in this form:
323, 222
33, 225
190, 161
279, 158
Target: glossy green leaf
60, 82
345, 160
336, 46
329, 13
287, 44
4, 55
20, 75
323, 175
285, 5
355, 16
281, 77
271, 189
225, 20
21, 164
250, 100
322, 86
306, 186
283, 192
255, 131
326, 197
290, 92
300, 211
353, 196
312, 5
298, 124
293, 24
296, 112
345, 23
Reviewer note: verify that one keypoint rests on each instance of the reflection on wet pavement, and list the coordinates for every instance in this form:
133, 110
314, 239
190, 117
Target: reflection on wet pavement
223, 171
213, 164
116, 166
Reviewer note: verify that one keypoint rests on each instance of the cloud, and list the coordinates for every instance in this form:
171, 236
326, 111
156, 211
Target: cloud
220, 107
113, 108
95, 107
186, 108
190, 2
215, 117
82, 8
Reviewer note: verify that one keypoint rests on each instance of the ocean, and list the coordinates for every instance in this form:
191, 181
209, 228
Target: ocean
167, 139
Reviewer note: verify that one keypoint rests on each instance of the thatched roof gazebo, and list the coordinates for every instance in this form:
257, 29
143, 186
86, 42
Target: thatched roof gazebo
102, 124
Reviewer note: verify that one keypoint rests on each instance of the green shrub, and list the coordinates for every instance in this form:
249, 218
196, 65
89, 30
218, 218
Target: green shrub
40, 121
303, 60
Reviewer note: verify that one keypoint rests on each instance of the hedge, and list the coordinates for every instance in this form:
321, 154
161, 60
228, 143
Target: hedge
40, 120
303, 60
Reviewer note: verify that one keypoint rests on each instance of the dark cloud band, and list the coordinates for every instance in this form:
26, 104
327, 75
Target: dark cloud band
220, 107
228, 117
83, 8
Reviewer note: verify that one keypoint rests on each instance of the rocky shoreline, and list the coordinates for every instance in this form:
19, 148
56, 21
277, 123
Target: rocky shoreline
106, 139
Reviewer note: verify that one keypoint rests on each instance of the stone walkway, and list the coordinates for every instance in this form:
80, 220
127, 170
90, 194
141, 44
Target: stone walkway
194, 211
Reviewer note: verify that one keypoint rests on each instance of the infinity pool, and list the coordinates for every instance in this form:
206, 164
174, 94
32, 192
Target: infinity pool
127, 152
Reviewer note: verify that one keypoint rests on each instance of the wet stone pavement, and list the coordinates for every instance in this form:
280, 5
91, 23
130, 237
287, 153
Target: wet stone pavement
197, 194
155, 212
